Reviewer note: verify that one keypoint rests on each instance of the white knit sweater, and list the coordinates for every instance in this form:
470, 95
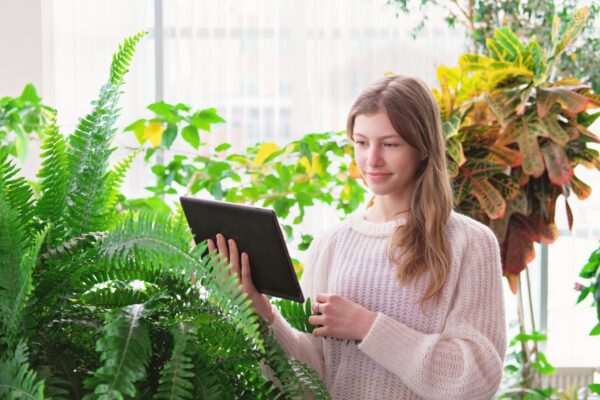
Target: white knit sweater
453, 351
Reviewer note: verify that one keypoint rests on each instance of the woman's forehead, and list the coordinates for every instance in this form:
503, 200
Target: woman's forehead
374, 126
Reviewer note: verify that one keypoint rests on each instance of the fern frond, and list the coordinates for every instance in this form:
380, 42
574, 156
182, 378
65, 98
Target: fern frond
89, 151
88, 155
209, 382
111, 297
225, 291
296, 314
175, 376
53, 175
153, 237
122, 59
292, 377
17, 380
13, 243
14, 297
126, 348
74, 244
17, 192
115, 180
310, 380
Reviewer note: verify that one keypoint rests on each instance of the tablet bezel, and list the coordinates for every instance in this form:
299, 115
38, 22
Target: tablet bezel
196, 211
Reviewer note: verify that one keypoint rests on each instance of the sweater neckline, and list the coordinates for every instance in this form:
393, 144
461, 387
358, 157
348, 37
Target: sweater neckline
378, 229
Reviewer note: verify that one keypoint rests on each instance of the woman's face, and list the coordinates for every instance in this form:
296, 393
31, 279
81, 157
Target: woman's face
386, 161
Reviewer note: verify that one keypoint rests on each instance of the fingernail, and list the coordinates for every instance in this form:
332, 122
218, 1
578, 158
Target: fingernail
230, 241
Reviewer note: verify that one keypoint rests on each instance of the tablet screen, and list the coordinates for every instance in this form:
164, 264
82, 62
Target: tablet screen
257, 232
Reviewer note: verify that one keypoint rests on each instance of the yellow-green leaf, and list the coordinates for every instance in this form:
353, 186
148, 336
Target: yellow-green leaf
153, 132
266, 149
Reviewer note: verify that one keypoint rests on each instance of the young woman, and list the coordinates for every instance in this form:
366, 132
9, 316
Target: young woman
416, 285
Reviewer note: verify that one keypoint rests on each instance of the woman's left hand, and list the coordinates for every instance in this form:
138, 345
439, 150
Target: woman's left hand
340, 318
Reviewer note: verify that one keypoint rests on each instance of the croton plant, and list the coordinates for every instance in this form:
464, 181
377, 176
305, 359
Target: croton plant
514, 137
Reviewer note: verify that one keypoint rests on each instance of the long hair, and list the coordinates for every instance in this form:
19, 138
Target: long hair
415, 116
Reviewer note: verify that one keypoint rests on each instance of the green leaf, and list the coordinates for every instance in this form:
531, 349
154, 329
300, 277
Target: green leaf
205, 118
190, 135
596, 330
594, 387
30, 95
138, 129
169, 135
223, 147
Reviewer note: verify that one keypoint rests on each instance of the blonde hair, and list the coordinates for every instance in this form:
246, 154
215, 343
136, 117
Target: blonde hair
415, 116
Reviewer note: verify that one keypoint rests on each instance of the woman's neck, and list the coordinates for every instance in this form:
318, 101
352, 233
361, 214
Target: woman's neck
388, 208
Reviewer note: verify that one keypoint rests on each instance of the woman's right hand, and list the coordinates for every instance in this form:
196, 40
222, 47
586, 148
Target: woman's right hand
228, 250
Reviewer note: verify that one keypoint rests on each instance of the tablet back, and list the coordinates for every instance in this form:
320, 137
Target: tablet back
256, 232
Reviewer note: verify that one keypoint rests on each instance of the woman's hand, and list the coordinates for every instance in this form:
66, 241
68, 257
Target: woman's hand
228, 251
340, 318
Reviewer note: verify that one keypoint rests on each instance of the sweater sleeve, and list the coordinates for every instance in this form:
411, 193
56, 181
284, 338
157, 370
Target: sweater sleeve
300, 345
465, 360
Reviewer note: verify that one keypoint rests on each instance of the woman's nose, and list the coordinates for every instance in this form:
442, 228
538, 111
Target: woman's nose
374, 157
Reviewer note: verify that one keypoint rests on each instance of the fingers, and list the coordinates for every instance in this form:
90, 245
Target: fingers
234, 256
322, 297
223, 250
316, 320
246, 277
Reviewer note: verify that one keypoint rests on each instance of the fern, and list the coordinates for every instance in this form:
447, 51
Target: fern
90, 150
225, 291
176, 373
12, 242
18, 193
115, 179
296, 314
15, 297
310, 380
126, 349
17, 380
70, 246
154, 237
122, 59
53, 175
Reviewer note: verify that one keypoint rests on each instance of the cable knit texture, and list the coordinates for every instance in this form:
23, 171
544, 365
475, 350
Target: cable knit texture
452, 349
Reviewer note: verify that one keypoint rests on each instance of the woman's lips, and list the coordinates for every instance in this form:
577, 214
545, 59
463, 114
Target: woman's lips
378, 176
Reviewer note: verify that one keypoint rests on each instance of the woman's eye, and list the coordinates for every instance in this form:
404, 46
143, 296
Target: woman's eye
391, 144
359, 142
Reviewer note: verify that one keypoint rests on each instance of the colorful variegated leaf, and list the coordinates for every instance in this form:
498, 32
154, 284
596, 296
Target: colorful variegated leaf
554, 130
571, 101
473, 180
505, 155
557, 163
507, 47
455, 150
569, 214
577, 24
503, 104
580, 188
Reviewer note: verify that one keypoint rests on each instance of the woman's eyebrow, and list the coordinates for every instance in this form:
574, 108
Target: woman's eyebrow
384, 137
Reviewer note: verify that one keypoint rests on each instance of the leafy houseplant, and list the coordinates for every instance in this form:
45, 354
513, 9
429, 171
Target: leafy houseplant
100, 304
514, 137
20, 117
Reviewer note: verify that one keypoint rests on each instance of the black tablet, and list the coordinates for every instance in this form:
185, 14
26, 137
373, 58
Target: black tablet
256, 232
